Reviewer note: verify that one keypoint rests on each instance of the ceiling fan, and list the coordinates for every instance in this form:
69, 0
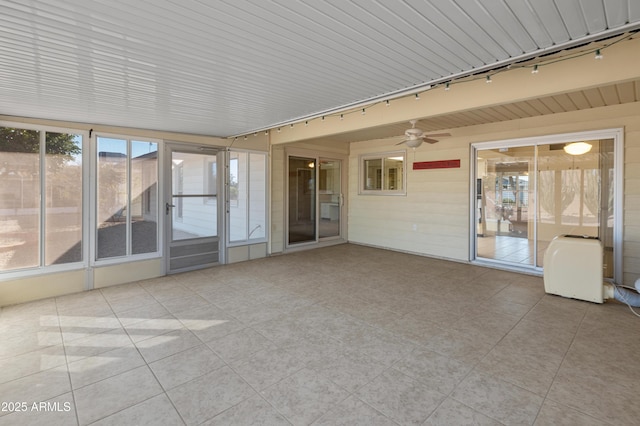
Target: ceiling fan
414, 137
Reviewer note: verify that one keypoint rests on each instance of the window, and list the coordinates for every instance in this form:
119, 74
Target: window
383, 174
127, 181
211, 181
247, 196
40, 198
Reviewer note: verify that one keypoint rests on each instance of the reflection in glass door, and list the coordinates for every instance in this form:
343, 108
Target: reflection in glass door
527, 195
302, 200
329, 197
505, 184
193, 210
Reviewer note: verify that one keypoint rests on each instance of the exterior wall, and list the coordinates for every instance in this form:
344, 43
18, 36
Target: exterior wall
106, 276
433, 219
36, 287
41, 286
278, 190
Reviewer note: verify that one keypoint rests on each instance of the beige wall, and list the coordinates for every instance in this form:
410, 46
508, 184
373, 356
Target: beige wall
57, 284
437, 201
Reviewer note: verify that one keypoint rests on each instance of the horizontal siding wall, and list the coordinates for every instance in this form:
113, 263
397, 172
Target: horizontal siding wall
632, 202
431, 219
437, 201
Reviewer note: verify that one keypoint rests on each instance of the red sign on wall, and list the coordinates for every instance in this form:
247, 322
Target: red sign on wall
442, 164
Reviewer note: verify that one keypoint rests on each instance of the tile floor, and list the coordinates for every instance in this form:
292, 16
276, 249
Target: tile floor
344, 335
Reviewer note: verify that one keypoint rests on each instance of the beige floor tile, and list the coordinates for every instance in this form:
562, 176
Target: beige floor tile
31, 362
338, 317
462, 347
400, 398
349, 369
556, 414
304, 396
156, 411
239, 345
78, 327
36, 387
253, 411
21, 312
436, 371
255, 314
127, 303
96, 344
493, 397
534, 372
147, 329
209, 395
58, 411
167, 344
114, 394
353, 412
104, 365
451, 412
187, 303
163, 290
142, 313
585, 389
210, 322
267, 367
184, 366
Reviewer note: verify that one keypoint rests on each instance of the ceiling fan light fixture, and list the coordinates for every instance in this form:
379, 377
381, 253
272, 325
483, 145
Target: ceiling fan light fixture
577, 148
413, 143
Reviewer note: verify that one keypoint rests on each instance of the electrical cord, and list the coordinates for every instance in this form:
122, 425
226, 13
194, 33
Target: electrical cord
624, 299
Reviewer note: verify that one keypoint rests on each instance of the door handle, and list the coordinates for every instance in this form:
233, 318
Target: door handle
168, 207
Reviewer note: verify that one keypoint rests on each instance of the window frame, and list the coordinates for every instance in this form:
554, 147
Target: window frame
42, 268
129, 256
227, 181
363, 158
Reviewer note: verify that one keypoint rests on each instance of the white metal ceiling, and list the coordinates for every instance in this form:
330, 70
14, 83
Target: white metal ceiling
228, 67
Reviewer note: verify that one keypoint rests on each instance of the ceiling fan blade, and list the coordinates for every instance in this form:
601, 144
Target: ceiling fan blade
436, 135
401, 142
429, 140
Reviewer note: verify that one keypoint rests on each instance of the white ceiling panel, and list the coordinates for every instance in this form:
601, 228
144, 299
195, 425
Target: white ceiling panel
230, 67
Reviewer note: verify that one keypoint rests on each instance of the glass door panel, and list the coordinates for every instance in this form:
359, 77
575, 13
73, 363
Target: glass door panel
504, 196
576, 195
193, 210
329, 197
302, 200
526, 196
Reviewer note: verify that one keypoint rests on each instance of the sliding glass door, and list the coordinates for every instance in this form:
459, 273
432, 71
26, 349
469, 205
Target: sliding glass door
528, 192
314, 199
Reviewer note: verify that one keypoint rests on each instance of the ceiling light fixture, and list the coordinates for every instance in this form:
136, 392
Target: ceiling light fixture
417, 97
387, 102
446, 86
488, 80
534, 70
363, 111
341, 116
577, 148
598, 54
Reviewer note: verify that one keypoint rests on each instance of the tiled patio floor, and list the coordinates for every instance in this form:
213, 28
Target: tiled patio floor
342, 335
